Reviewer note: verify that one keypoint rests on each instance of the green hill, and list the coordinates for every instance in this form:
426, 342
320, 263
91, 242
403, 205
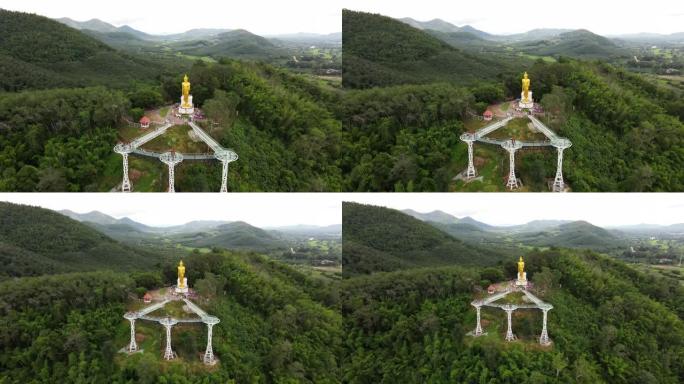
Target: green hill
277, 122
378, 234
579, 43
577, 234
236, 235
239, 44
379, 51
609, 324
120, 40
276, 326
462, 39
624, 127
36, 241
61, 54
436, 216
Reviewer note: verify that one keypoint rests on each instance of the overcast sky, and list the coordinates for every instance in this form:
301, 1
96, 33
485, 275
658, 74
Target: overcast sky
505, 16
282, 209
603, 209
166, 209
263, 17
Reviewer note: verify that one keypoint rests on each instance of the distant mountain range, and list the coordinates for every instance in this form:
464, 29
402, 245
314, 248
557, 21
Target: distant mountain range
206, 233
383, 239
103, 27
534, 34
446, 27
442, 217
206, 42
579, 43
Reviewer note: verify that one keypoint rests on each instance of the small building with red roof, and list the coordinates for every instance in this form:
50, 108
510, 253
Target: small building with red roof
144, 122
488, 115
147, 298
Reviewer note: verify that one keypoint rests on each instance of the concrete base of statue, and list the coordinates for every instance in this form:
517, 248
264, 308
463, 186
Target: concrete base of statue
186, 109
182, 288
526, 103
522, 280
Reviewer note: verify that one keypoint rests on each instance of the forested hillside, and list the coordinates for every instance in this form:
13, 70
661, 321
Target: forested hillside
610, 324
37, 52
57, 140
381, 51
281, 125
402, 138
238, 44
579, 44
382, 239
284, 130
36, 241
626, 129
275, 327
236, 235
578, 234
627, 132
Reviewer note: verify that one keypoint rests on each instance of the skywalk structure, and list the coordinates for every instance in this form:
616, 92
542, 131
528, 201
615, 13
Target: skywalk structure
172, 158
169, 322
520, 285
512, 146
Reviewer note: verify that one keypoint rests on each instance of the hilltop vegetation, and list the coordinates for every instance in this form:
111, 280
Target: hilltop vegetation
382, 239
237, 235
626, 130
275, 326
57, 140
282, 125
64, 324
609, 324
578, 234
579, 44
239, 44
36, 52
36, 241
381, 51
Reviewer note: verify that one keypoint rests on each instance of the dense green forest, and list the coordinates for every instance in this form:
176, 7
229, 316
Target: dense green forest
57, 140
609, 324
37, 52
275, 327
382, 239
36, 241
65, 287
282, 125
626, 129
236, 235
381, 51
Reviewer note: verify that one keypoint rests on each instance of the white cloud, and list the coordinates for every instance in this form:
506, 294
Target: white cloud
263, 17
505, 16
165, 209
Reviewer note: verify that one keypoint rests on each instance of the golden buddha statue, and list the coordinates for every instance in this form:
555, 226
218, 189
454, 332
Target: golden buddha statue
521, 269
186, 92
181, 275
526, 88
